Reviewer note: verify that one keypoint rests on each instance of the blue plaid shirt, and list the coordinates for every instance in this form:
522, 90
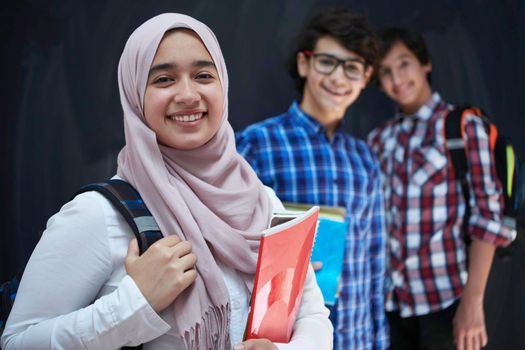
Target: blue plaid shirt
292, 154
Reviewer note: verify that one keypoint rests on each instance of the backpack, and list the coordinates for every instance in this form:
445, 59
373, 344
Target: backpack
7, 297
508, 168
132, 208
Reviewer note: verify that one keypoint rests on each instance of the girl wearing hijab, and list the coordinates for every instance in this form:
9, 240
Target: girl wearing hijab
191, 289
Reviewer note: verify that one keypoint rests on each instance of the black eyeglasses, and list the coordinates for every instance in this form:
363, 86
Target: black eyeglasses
354, 68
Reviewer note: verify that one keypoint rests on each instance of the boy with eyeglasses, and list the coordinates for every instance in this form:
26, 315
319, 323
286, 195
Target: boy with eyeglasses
306, 157
436, 296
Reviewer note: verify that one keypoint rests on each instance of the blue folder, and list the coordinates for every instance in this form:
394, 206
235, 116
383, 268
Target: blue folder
329, 248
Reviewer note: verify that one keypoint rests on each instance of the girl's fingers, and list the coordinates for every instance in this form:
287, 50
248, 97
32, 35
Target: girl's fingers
181, 249
133, 250
188, 261
168, 241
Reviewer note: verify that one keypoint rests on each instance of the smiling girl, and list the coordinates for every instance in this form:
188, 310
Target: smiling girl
191, 289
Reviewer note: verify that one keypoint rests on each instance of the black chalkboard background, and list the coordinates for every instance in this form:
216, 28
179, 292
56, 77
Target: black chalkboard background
61, 123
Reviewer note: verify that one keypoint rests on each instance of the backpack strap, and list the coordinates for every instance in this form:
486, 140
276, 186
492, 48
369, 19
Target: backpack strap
126, 199
455, 144
130, 205
457, 151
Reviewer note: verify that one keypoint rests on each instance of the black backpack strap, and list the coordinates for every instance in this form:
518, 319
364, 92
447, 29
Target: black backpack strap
130, 205
132, 208
454, 141
457, 152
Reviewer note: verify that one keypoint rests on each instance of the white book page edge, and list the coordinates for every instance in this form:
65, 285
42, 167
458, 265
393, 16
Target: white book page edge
301, 217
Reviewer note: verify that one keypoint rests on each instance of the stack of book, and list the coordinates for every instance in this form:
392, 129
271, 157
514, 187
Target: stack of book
286, 250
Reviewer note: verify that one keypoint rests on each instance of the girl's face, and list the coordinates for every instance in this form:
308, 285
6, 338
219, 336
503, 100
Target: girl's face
183, 103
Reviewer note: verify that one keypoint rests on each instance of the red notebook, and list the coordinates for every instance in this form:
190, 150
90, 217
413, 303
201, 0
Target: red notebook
284, 257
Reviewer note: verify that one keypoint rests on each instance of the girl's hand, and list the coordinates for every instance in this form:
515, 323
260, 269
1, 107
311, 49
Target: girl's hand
163, 271
255, 344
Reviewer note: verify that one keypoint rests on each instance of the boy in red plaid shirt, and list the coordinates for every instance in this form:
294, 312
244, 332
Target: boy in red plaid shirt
435, 298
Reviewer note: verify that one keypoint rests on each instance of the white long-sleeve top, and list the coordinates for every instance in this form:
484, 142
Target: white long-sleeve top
80, 258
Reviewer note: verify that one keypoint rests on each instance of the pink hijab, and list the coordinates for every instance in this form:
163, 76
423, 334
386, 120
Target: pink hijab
209, 195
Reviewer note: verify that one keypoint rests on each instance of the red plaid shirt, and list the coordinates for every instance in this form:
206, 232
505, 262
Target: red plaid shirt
425, 207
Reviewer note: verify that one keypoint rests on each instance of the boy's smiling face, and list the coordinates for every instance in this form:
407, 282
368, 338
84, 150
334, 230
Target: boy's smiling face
404, 79
326, 97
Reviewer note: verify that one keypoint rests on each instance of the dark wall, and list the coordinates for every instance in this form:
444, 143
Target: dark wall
61, 123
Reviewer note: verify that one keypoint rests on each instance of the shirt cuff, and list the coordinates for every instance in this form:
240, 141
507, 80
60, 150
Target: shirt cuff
122, 318
493, 232
145, 323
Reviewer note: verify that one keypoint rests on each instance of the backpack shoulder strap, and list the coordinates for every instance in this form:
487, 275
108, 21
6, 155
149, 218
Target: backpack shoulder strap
453, 129
457, 151
130, 205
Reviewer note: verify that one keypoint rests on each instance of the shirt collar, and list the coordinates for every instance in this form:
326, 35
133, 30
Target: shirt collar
308, 122
426, 111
